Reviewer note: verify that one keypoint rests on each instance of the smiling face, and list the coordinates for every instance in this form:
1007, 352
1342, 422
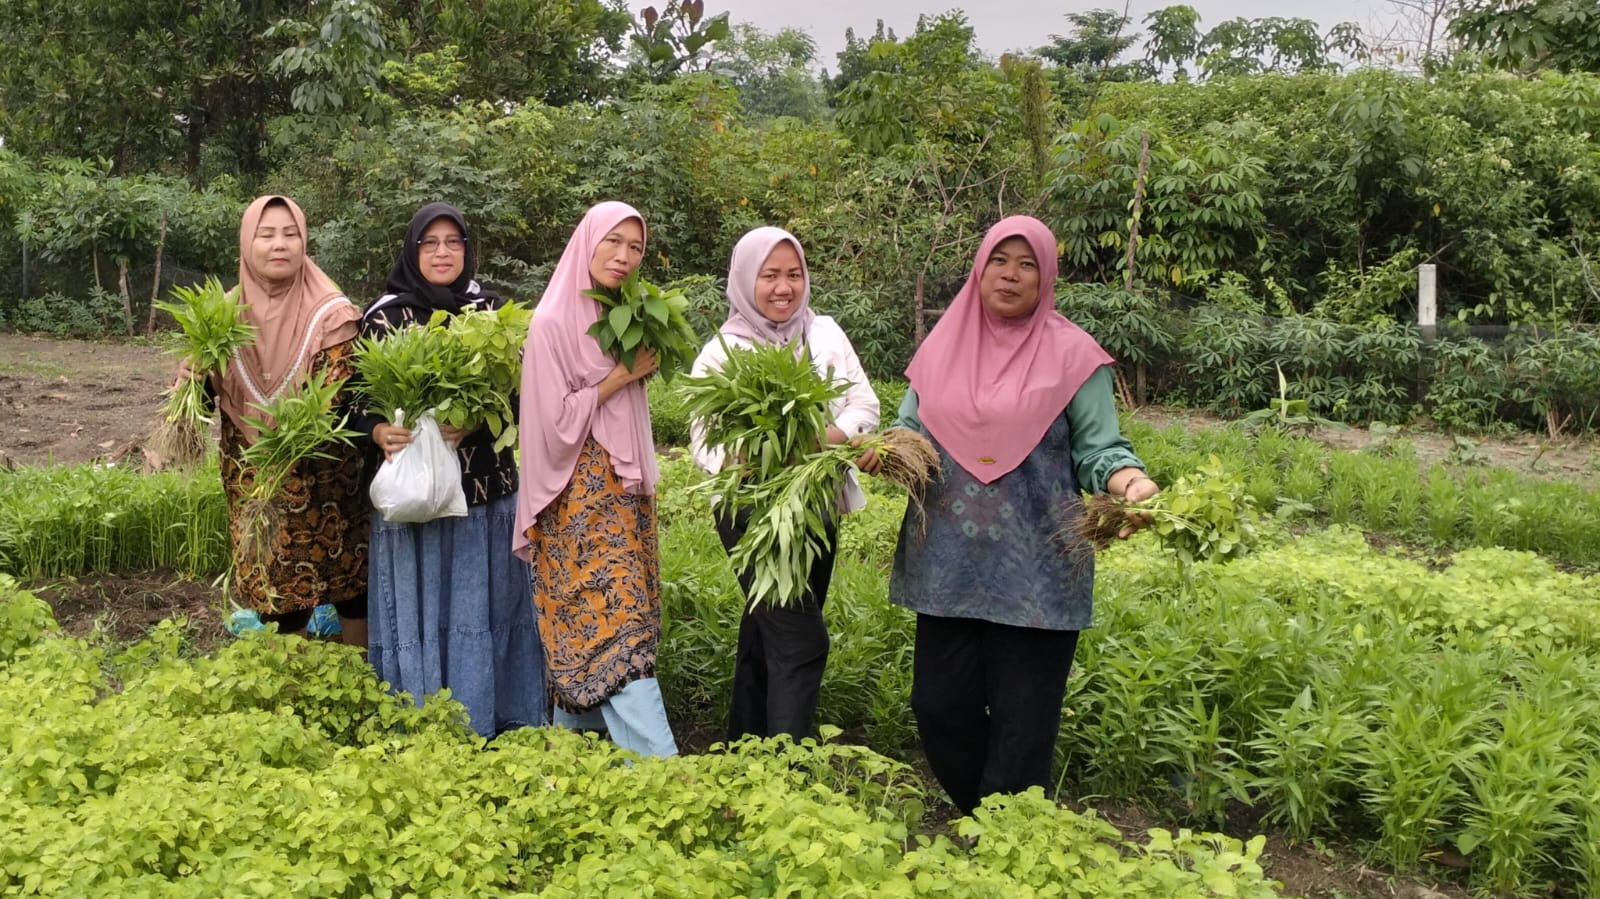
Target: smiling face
441, 254
1009, 286
781, 283
618, 254
278, 249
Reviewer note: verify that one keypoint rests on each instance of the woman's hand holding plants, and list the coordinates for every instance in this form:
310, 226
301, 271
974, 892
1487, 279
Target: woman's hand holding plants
392, 438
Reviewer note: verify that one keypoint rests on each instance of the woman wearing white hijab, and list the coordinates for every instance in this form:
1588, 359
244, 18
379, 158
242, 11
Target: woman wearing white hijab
783, 650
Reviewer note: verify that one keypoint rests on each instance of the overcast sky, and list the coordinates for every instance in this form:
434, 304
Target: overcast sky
1003, 25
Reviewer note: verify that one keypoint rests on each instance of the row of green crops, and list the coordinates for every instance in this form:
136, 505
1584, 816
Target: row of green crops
1388, 492
63, 521
1410, 703
279, 767
76, 520
1338, 691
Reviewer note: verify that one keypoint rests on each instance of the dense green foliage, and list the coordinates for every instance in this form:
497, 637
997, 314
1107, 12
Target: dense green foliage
464, 368
1338, 690
280, 765
1301, 192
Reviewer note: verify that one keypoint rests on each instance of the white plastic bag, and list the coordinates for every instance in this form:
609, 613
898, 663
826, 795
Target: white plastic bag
423, 481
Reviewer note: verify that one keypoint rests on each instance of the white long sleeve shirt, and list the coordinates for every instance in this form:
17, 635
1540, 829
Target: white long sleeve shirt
855, 413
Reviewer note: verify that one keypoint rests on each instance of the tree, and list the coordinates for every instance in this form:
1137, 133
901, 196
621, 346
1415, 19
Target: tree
1098, 37
337, 63
670, 40
772, 72
1524, 35
555, 51
1247, 46
1416, 33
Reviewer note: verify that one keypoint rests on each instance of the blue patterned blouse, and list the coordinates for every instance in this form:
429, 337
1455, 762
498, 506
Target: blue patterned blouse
990, 551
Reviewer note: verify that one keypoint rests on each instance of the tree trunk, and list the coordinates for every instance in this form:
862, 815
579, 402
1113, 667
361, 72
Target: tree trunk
1139, 373
919, 325
155, 283
122, 288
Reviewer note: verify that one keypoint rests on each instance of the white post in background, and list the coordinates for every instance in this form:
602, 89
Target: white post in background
1427, 297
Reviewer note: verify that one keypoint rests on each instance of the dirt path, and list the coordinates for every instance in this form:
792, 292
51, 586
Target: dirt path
71, 402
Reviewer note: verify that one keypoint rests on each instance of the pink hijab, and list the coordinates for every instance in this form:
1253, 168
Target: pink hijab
987, 387
561, 365
744, 318
294, 321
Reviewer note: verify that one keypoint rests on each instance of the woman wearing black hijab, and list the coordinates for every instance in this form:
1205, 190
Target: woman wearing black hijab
449, 605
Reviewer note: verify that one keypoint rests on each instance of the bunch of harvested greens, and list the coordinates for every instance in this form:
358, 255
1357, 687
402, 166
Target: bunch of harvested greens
767, 408
640, 314
767, 405
302, 423
213, 328
465, 367
1205, 515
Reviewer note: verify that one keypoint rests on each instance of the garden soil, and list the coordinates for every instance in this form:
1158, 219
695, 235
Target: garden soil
76, 402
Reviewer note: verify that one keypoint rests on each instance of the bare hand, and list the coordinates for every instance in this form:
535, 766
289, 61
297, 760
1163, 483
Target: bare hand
835, 436
391, 439
869, 461
645, 364
1138, 489
185, 373
453, 436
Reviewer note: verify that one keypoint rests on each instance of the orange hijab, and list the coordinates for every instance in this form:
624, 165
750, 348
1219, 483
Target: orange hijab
294, 320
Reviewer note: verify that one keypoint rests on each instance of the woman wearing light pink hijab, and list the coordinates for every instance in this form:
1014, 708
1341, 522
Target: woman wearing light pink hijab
586, 509
303, 324
1018, 401
783, 651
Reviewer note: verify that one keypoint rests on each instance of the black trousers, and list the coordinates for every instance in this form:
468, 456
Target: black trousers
777, 669
988, 703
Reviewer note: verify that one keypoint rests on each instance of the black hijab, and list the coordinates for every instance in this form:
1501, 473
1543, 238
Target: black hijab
407, 287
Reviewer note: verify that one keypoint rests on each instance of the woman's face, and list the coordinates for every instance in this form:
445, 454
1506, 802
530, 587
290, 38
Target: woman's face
278, 249
781, 283
1009, 285
441, 253
618, 254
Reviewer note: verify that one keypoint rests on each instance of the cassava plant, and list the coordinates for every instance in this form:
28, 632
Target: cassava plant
640, 314
303, 423
213, 328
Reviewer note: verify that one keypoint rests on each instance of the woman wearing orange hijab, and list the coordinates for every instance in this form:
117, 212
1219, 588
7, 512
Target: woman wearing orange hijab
303, 324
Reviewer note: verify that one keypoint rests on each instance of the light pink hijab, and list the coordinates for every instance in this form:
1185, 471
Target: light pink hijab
561, 365
987, 387
744, 317
294, 321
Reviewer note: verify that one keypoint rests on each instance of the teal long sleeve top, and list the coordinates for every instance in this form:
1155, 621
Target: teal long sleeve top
1004, 552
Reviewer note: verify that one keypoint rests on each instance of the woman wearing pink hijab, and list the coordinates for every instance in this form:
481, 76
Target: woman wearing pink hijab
304, 324
782, 652
1018, 401
586, 509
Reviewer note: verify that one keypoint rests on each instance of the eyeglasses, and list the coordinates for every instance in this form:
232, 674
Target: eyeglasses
451, 243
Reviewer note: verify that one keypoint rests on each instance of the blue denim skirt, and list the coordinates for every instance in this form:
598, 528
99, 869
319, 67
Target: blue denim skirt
450, 606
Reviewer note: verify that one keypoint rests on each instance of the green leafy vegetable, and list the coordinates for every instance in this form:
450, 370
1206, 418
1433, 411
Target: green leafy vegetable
465, 367
213, 328
640, 314
303, 423
767, 408
1206, 515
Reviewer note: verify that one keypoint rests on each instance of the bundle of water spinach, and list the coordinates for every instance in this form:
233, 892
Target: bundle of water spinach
213, 328
767, 410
